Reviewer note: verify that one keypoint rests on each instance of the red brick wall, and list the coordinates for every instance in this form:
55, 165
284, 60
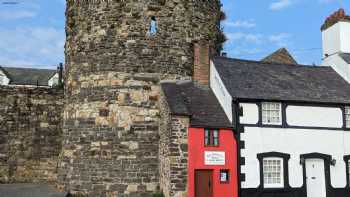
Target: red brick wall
201, 62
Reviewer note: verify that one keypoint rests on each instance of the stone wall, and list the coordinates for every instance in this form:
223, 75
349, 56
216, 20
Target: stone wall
30, 133
111, 136
113, 64
173, 153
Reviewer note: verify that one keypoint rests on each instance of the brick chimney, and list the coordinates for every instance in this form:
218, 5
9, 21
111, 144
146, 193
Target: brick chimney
335, 34
201, 67
336, 43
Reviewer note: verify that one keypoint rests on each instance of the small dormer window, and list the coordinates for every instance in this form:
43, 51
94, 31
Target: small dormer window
271, 113
153, 26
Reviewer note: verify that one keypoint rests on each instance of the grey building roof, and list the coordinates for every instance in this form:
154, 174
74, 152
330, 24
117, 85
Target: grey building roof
198, 102
28, 76
273, 81
346, 57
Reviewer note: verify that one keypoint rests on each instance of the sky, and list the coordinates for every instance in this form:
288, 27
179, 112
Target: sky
32, 32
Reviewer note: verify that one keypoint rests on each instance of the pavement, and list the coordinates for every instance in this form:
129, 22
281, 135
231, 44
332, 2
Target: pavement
28, 190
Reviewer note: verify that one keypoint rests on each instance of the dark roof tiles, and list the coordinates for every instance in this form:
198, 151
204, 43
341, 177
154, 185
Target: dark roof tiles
28, 76
345, 57
200, 103
272, 81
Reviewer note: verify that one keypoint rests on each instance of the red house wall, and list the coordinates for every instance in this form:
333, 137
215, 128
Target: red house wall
196, 149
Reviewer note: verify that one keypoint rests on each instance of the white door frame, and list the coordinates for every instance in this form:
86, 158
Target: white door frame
326, 161
315, 178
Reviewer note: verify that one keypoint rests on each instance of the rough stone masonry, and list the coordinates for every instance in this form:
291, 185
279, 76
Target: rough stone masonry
30, 133
113, 69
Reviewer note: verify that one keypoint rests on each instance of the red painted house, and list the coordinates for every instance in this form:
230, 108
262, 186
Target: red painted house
212, 161
209, 167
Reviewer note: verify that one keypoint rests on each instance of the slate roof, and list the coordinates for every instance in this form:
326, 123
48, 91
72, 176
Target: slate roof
200, 103
346, 57
281, 56
28, 76
273, 81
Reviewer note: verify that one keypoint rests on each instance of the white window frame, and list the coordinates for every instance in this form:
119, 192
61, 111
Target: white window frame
347, 116
274, 185
263, 109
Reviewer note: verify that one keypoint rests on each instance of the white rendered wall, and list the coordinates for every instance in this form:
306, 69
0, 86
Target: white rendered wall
294, 142
5, 80
331, 40
336, 39
53, 80
339, 65
314, 116
220, 91
250, 113
345, 37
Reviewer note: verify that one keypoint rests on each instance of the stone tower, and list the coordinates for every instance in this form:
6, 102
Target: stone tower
117, 51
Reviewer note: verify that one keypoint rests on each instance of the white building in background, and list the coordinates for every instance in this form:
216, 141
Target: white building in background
11, 76
293, 121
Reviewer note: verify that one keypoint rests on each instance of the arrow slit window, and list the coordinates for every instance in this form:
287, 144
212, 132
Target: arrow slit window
153, 26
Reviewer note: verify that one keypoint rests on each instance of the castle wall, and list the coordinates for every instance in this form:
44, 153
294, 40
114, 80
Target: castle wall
30, 133
114, 66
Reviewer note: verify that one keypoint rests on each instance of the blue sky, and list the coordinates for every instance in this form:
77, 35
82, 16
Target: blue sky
32, 32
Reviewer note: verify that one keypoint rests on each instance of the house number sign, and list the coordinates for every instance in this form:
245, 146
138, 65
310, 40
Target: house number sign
214, 158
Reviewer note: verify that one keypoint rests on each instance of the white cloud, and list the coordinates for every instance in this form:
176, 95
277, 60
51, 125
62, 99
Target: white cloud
281, 39
31, 46
246, 37
13, 15
244, 51
280, 4
240, 23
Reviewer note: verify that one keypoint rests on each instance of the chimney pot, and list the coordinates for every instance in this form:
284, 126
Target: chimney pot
334, 18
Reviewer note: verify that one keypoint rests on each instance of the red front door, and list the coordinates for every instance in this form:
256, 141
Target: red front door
204, 183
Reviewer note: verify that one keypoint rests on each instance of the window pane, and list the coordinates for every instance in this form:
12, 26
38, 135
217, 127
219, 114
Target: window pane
207, 137
216, 133
273, 172
224, 175
271, 113
211, 137
216, 142
347, 117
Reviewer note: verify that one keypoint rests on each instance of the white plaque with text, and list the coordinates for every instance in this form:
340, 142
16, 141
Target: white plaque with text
214, 158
